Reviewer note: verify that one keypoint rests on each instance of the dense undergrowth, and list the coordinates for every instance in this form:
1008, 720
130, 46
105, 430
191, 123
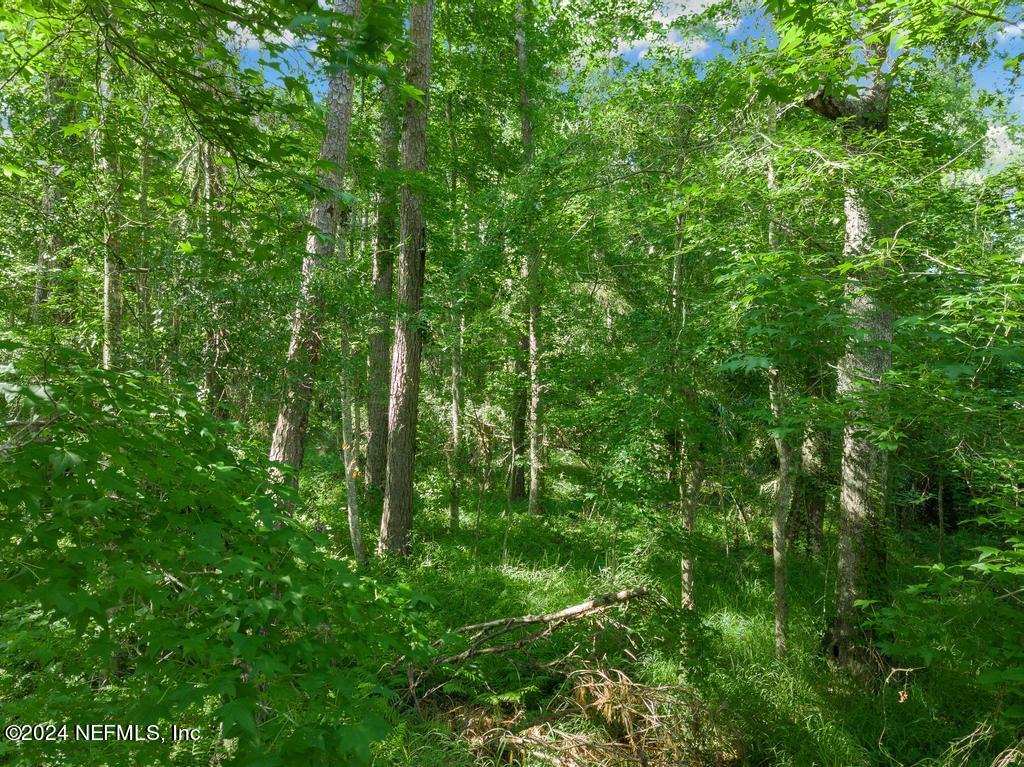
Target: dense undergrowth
794, 712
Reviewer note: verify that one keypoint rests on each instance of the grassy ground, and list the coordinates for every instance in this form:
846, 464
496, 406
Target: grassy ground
797, 712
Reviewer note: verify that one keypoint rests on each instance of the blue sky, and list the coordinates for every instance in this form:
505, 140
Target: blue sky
992, 76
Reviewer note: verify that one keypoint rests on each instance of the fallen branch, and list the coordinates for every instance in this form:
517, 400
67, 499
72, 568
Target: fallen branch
484, 634
567, 613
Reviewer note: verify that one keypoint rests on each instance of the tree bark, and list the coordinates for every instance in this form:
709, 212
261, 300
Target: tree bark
108, 168
396, 521
47, 260
783, 500
289, 438
811, 484
864, 476
455, 454
350, 455
532, 277
143, 291
693, 485
210, 187
379, 362
862, 499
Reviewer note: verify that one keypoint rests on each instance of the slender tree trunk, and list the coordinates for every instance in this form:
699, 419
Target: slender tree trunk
289, 438
47, 260
110, 182
396, 522
455, 455
351, 457
811, 481
532, 276
941, 509
693, 486
861, 555
517, 471
457, 322
783, 501
143, 292
210, 188
379, 362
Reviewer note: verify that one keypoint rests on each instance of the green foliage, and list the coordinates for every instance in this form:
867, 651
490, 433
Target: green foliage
155, 574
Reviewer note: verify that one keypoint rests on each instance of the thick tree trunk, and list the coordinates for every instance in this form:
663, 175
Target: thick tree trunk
396, 522
289, 439
783, 500
379, 362
862, 501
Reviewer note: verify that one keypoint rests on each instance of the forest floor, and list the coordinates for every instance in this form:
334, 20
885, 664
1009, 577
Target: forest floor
721, 659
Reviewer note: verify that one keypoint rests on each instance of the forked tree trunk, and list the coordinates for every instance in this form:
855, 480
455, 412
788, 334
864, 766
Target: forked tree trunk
289, 438
396, 522
379, 362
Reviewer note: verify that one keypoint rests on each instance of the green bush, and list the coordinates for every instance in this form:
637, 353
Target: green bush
152, 574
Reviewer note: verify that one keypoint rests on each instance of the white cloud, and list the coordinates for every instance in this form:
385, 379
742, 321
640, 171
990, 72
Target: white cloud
1001, 149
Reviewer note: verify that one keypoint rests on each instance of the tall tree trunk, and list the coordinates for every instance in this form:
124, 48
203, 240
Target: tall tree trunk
455, 455
864, 476
210, 187
289, 439
783, 500
144, 261
941, 510
47, 259
862, 499
379, 362
532, 278
457, 322
108, 168
396, 522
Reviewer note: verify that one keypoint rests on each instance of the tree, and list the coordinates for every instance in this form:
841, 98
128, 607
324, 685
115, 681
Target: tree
289, 438
403, 408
